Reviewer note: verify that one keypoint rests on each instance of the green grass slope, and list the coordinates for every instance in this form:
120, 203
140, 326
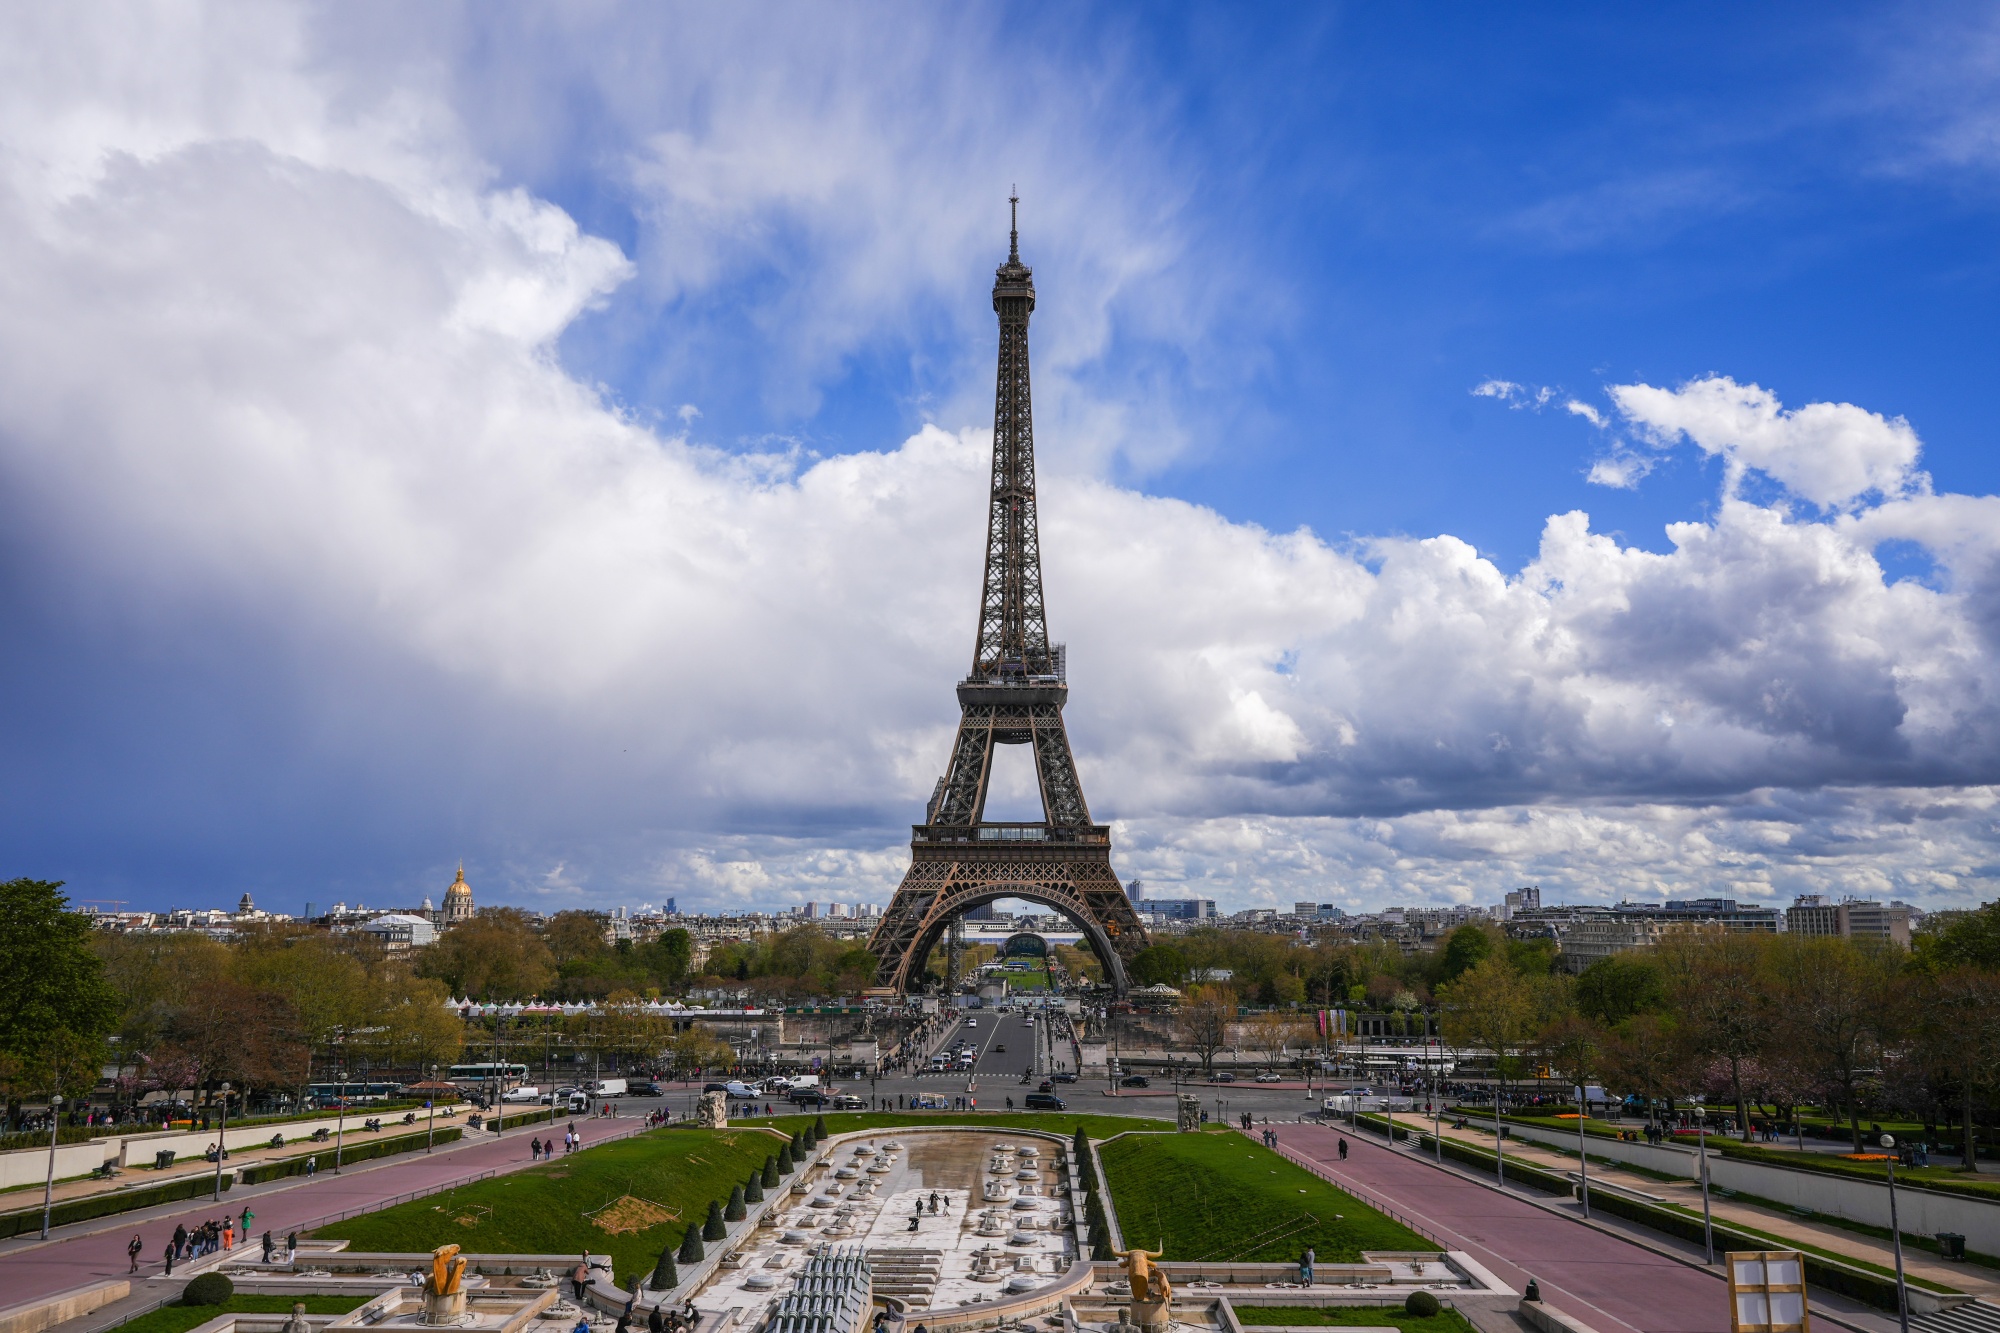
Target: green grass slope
542, 1210
1352, 1316
1225, 1197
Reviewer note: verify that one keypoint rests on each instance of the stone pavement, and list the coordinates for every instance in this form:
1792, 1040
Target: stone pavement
93, 1251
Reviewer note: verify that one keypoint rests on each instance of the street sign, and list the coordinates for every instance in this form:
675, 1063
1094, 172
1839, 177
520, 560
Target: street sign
1767, 1291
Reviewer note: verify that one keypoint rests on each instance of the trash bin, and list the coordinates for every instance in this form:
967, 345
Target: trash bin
1952, 1244
163, 1159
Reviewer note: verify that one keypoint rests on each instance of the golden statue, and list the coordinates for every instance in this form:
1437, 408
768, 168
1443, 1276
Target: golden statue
447, 1269
1148, 1282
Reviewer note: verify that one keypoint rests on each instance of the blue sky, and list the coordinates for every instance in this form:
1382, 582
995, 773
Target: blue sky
551, 439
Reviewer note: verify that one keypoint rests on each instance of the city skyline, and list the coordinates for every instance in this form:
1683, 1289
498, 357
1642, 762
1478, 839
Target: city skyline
1482, 453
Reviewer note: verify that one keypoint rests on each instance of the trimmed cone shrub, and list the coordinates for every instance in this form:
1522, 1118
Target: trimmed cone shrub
735, 1212
691, 1251
715, 1228
770, 1172
783, 1161
799, 1146
753, 1191
208, 1289
1421, 1304
665, 1275
819, 1128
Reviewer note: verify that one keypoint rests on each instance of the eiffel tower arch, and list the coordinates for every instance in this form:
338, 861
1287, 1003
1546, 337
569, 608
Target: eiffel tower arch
1014, 695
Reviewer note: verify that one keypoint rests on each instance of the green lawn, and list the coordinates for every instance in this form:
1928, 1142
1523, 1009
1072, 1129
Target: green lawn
178, 1318
1217, 1197
542, 1210
1351, 1316
1055, 1122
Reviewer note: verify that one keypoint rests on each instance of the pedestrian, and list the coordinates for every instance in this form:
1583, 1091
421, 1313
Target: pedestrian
1343, 1150
312, 1167
1306, 1266
170, 1258
268, 1247
228, 1234
581, 1277
248, 1218
655, 1321
132, 1251
292, 1248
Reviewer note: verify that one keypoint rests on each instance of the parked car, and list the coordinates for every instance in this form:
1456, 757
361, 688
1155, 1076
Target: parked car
1134, 1081
1268, 1077
1045, 1101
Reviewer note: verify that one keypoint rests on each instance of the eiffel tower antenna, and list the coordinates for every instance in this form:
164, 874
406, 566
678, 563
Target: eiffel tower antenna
1014, 695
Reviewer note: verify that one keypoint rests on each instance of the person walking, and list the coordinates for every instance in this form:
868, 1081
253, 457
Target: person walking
312, 1167
170, 1258
268, 1247
132, 1251
292, 1248
1343, 1150
247, 1219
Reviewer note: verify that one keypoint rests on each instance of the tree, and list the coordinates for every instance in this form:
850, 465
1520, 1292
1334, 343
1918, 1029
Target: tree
665, 1275
1203, 1022
1645, 1055
691, 1247
1492, 1008
1959, 939
1717, 987
1463, 950
1957, 1029
495, 956
1832, 998
1159, 965
55, 1005
574, 935
714, 1228
1614, 988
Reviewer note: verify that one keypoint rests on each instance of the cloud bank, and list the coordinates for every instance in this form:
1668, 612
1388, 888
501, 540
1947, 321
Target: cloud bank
282, 407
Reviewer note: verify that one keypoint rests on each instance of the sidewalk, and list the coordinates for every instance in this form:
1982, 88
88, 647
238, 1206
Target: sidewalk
93, 1251
1777, 1222
140, 1177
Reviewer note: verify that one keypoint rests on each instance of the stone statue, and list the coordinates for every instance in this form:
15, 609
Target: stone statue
444, 1289
1152, 1294
713, 1110
1189, 1117
297, 1323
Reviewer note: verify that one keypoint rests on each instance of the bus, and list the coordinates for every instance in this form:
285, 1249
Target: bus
326, 1094
475, 1077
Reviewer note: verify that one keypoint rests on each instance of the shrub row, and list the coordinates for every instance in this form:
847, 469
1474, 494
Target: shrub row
1093, 1198
360, 1151
103, 1205
1856, 1283
715, 1226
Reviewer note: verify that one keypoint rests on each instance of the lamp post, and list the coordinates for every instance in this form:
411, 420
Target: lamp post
1582, 1151
431, 1109
340, 1123
222, 1141
1707, 1223
1896, 1234
49, 1188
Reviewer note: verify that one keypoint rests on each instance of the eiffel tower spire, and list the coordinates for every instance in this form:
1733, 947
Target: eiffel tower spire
1013, 629
1014, 695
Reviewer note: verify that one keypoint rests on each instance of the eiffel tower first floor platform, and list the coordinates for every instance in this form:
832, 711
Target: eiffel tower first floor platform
954, 869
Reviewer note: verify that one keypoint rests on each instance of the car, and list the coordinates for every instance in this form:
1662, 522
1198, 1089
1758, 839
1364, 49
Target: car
1045, 1086
1044, 1101
805, 1097
999, 1048
715, 1087
1064, 1077
1225, 1077
1134, 1081
847, 1101
648, 1090
972, 1022
1268, 1077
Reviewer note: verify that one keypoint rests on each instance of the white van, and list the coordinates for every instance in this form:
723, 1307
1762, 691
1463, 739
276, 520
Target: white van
527, 1092
609, 1087
738, 1088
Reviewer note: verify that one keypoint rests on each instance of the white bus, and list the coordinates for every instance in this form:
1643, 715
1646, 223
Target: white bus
474, 1077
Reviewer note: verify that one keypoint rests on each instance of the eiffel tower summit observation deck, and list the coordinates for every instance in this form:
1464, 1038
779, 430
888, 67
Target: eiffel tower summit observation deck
1014, 695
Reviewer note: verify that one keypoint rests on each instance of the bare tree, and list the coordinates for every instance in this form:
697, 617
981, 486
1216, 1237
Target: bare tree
1833, 999
1203, 1022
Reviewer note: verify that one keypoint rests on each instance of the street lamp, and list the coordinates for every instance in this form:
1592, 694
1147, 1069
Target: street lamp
340, 1123
431, 1108
222, 1141
1896, 1233
1707, 1223
49, 1188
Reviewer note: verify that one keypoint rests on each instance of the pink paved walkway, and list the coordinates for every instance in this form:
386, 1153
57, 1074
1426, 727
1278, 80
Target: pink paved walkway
1582, 1271
30, 1269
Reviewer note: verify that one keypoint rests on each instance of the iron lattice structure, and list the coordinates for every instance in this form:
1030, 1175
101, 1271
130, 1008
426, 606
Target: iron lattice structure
1013, 696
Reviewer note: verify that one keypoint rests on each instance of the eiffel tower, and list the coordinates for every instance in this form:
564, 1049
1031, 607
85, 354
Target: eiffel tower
1013, 696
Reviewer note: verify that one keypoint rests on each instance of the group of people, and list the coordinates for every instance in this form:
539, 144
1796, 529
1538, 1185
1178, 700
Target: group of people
205, 1238
571, 1141
936, 1205
1270, 1135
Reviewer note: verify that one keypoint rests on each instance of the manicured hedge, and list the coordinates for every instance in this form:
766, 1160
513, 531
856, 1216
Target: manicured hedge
103, 1205
361, 1151
1873, 1289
